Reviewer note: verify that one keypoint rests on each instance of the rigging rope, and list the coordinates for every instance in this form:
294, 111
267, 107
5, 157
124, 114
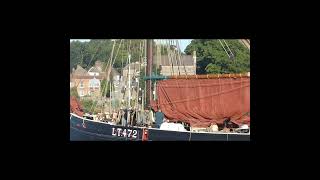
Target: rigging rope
103, 89
180, 55
114, 60
174, 56
224, 48
109, 73
230, 54
228, 48
170, 57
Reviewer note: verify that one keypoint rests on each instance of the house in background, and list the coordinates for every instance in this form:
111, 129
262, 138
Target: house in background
134, 70
97, 70
93, 71
88, 83
71, 82
172, 66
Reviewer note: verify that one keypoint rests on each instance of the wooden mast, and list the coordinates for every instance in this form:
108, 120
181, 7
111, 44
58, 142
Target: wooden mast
129, 91
149, 71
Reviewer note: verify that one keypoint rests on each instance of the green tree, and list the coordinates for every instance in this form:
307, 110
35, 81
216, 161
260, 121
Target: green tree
87, 105
213, 68
87, 53
105, 88
74, 92
76, 49
115, 103
91, 106
212, 58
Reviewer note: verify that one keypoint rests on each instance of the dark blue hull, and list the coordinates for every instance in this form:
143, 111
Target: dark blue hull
88, 130
161, 135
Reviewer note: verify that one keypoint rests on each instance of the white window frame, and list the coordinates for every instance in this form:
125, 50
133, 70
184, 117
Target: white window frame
81, 93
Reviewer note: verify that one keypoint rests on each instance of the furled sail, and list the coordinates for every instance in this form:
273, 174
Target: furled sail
205, 101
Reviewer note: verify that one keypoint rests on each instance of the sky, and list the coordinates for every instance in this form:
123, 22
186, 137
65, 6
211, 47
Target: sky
182, 42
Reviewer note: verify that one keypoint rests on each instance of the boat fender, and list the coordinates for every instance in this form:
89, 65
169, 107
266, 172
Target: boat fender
84, 125
144, 134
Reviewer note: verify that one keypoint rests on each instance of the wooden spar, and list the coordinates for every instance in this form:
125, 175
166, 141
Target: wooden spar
209, 76
129, 91
204, 76
110, 97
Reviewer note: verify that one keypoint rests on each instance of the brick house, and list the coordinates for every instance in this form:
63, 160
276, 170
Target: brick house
88, 83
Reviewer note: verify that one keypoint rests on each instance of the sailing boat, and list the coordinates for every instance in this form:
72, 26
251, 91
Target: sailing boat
199, 100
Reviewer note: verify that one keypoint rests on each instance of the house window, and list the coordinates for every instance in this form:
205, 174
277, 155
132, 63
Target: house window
81, 84
98, 84
94, 83
81, 93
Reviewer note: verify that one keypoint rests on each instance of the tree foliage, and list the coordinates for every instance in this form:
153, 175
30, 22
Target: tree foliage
87, 53
91, 106
74, 92
212, 58
87, 105
105, 88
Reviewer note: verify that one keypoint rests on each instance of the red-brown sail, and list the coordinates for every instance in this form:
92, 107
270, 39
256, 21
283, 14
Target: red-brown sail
202, 102
75, 106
